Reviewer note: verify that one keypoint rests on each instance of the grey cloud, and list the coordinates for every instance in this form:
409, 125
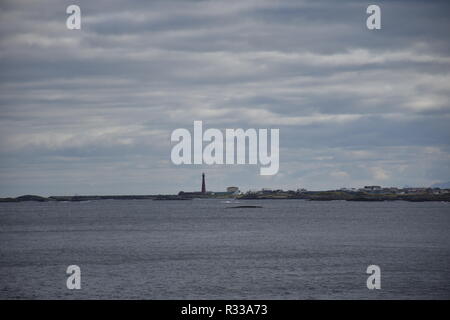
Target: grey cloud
91, 111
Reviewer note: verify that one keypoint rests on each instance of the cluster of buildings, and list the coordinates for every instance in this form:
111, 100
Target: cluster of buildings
393, 190
234, 191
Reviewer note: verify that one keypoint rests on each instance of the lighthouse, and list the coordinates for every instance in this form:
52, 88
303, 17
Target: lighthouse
203, 183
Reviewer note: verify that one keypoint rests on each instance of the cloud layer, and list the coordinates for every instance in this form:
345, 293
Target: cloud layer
91, 111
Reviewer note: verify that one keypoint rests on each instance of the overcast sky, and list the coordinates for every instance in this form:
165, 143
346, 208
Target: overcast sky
91, 111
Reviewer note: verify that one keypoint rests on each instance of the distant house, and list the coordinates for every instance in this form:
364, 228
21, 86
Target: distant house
371, 188
417, 190
233, 189
392, 190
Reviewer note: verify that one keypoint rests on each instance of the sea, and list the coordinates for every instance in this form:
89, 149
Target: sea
212, 249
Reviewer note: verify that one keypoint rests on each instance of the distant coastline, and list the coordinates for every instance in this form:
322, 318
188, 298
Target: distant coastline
426, 195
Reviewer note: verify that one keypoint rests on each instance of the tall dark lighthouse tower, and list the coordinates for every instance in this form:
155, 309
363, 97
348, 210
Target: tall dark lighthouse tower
203, 183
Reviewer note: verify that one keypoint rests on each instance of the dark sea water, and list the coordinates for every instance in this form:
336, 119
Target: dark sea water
289, 249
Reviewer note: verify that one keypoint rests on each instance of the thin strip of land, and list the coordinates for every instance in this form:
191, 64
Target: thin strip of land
274, 195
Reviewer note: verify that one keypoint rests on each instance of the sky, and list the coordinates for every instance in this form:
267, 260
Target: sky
91, 111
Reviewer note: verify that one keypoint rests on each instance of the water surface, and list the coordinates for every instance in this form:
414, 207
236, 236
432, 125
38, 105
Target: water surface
200, 249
